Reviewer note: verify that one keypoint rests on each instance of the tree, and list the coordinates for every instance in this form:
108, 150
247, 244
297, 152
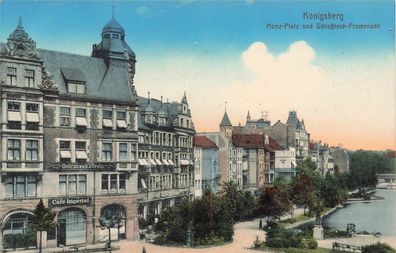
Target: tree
42, 220
273, 202
303, 191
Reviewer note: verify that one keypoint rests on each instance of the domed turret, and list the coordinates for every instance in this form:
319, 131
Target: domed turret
113, 27
113, 43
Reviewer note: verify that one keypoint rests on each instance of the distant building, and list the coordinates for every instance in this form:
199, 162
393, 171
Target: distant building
206, 165
320, 155
285, 163
289, 134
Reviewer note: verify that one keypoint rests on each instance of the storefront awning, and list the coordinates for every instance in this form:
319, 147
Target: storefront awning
121, 124
165, 162
294, 163
81, 121
107, 123
14, 116
81, 155
158, 162
65, 154
171, 162
191, 162
152, 162
32, 117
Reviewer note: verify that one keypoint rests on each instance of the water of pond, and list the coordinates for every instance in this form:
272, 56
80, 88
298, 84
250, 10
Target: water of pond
376, 216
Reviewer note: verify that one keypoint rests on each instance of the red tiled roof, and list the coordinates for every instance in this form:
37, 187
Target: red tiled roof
248, 140
273, 145
255, 141
204, 142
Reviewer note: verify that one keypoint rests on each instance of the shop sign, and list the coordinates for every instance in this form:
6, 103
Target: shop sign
83, 166
74, 201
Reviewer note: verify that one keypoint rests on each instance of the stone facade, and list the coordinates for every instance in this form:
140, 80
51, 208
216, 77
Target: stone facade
68, 137
166, 155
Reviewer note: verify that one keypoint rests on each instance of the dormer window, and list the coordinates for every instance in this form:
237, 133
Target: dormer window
76, 88
74, 80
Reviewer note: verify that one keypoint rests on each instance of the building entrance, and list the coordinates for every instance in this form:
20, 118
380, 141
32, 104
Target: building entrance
72, 227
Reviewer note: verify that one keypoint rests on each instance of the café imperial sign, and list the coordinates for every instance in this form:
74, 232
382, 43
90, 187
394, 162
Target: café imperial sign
59, 202
83, 166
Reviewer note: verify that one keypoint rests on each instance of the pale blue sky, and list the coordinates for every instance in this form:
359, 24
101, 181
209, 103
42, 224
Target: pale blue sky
341, 82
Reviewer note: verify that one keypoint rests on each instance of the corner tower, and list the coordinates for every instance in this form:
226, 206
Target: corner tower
114, 48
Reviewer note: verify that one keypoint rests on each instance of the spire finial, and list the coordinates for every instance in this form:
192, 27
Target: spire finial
20, 25
113, 11
225, 106
161, 101
148, 100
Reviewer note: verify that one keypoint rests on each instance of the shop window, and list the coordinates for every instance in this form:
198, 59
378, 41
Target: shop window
64, 119
32, 150
11, 76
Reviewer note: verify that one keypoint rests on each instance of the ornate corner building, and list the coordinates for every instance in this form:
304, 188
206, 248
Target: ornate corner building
69, 135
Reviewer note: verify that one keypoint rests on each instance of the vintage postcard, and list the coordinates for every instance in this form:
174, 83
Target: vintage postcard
197, 126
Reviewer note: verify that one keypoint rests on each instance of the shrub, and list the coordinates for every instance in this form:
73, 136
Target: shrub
378, 248
14, 241
143, 223
312, 244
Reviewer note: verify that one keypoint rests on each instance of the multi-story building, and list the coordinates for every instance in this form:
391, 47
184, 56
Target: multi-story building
291, 134
69, 134
166, 167
285, 163
244, 158
320, 155
206, 156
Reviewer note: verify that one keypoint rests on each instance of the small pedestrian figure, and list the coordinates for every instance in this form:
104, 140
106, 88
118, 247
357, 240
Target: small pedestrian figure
144, 250
260, 224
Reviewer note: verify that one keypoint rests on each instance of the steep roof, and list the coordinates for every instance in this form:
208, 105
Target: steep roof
106, 82
225, 121
248, 140
273, 145
204, 142
255, 141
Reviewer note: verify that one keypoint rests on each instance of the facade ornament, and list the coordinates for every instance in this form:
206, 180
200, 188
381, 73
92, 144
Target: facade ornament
47, 82
19, 44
